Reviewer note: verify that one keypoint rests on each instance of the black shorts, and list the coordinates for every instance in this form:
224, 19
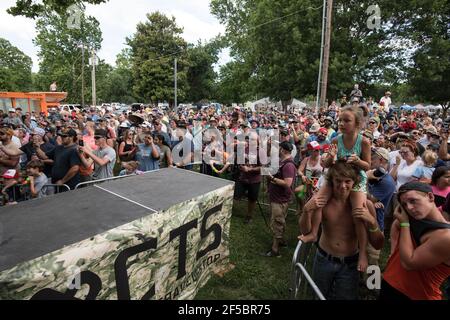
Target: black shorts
251, 189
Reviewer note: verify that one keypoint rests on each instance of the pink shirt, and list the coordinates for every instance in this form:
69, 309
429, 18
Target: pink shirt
439, 192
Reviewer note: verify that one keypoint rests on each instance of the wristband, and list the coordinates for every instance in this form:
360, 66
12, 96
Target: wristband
374, 230
404, 225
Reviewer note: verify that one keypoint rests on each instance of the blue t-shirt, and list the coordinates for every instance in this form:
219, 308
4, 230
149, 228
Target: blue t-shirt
423, 172
145, 159
383, 190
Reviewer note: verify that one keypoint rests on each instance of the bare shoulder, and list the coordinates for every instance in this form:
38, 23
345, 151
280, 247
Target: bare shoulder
439, 240
365, 142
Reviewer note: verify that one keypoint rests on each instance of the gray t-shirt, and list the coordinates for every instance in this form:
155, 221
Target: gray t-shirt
106, 171
39, 182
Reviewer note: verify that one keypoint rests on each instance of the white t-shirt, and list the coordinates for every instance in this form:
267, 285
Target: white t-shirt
387, 102
405, 172
16, 141
392, 158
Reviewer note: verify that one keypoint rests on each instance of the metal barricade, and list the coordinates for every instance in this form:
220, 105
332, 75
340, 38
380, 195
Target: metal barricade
51, 189
300, 277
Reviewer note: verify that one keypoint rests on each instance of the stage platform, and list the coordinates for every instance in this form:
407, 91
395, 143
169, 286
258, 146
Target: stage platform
39, 227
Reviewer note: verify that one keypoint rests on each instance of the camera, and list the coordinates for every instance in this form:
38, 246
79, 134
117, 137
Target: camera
81, 143
379, 172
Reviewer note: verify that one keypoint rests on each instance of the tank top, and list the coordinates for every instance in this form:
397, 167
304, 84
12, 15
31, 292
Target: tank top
343, 152
313, 171
417, 284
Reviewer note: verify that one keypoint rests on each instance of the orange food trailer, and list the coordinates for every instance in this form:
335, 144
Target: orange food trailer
31, 101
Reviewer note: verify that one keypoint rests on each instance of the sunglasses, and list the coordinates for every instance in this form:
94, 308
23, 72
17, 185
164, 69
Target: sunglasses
63, 135
372, 122
98, 137
403, 152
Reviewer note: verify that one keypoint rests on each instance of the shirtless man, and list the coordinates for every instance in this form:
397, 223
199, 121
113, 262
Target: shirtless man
335, 266
420, 250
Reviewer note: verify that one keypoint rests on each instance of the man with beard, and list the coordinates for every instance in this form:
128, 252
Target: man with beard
66, 162
280, 195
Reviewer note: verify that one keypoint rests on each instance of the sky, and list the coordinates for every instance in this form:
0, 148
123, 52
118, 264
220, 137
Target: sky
118, 20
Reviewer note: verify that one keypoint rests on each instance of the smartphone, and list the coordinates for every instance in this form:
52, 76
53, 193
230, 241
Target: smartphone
81, 143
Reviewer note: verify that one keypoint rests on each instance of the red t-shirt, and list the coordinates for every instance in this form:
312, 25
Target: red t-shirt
278, 194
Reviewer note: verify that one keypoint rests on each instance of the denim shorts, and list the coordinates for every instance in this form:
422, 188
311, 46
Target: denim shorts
336, 280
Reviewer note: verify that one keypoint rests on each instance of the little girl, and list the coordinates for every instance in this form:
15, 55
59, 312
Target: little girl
425, 172
130, 167
355, 148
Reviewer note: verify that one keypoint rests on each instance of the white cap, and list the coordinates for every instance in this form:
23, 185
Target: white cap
12, 110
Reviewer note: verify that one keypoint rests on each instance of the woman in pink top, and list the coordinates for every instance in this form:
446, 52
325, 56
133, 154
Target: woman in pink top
440, 183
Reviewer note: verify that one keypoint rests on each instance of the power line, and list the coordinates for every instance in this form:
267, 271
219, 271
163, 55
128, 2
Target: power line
251, 29
282, 17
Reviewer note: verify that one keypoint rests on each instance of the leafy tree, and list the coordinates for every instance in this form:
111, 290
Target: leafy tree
15, 68
118, 85
201, 75
278, 43
430, 33
31, 9
154, 46
60, 55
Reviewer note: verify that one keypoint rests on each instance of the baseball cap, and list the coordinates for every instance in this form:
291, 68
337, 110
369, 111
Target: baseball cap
68, 132
323, 131
100, 133
286, 146
382, 152
11, 110
39, 132
432, 130
315, 127
414, 186
314, 145
329, 119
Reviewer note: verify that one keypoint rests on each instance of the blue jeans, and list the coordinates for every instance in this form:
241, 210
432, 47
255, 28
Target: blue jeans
336, 281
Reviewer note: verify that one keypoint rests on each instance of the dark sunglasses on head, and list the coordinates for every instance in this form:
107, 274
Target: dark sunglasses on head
63, 135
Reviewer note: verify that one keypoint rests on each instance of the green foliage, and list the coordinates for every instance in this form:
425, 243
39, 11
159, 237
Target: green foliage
154, 46
201, 75
15, 68
428, 77
31, 9
61, 57
118, 84
277, 44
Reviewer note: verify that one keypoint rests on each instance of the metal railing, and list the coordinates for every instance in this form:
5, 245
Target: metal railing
51, 189
300, 277
22, 192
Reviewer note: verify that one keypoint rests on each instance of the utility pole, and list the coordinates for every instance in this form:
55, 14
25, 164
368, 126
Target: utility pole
326, 55
175, 76
94, 61
82, 75
324, 13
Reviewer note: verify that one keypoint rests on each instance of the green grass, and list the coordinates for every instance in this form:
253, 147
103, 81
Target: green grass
254, 276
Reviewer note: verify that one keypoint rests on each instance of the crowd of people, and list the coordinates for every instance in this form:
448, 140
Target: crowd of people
359, 170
